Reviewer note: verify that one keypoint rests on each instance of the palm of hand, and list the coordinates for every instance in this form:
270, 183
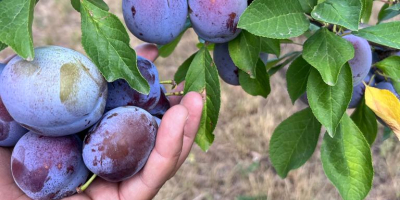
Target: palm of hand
175, 137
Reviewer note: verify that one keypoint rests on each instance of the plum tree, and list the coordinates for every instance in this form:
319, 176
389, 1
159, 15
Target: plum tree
48, 167
60, 92
118, 146
121, 94
155, 21
362, 61
216, 21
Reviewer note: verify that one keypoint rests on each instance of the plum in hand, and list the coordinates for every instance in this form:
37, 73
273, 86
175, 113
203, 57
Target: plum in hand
48, 167
118, 146
60, 92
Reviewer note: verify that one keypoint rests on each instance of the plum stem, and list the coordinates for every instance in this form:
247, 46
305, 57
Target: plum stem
372, 78
380, 73
344, 34
181, 93
170, 82
86, 185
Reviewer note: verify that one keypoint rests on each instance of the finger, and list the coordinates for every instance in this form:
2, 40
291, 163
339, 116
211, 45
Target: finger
78, 197
175, 100
148, 51
193, 101
163, 159
8, 188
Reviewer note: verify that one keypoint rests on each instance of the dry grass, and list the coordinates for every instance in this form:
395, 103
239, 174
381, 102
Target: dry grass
238, 163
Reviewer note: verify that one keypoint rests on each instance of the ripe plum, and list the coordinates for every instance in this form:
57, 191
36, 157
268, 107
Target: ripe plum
227, 70
118, 146
155, 21
362, 60
216, 21
162, 105
60, 92
121, 94
48, 167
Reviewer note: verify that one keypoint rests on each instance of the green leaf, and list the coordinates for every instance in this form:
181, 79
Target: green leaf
271, 46
385, 13
274, 19
365, 120
327, 52
387, 34
106, 41
16, 26
245, 51
391, 67
166, 50
308, 5
258, 86
76, 4
271, 63
180, 74
293, 141
329, 103
203, 75
346, 13
396, 86
296, 77
394, 7
347, 161
263, 197
2, 46
210, 46
311, 30
367, 10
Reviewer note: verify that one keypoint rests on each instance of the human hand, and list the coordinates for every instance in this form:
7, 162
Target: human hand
174, 141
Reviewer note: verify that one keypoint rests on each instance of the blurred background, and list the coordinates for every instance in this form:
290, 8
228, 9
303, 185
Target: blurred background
237, 166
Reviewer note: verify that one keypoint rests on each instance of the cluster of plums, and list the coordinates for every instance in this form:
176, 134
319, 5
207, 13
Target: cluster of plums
50, 104
161, 22
213, 21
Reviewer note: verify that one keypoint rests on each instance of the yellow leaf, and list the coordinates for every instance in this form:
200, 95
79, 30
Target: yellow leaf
385, 105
